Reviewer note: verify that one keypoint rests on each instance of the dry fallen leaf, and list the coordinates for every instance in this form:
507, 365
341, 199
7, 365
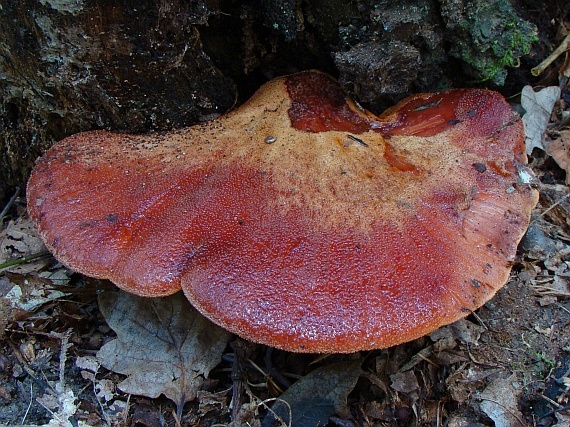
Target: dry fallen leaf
499, 401
23, 294
209, 401
163, 345
563, 420
559, 150
28, 292
538, 107
404, 382
313, 399
463, 330
18, 239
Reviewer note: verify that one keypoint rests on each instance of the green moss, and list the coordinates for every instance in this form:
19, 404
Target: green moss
489, 37
544, 363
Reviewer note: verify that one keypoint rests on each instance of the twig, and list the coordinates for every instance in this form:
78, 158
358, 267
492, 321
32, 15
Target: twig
564, 46
97, 398
554, 205
476, 316
424, 358
9, 205
24, 259
30, 404
563, 308
522, 423
53, 414
126, 413
277, 417
547, 290
552, 402
477, 362
239, 378
273, 372
64, 338
176, 417
551, 413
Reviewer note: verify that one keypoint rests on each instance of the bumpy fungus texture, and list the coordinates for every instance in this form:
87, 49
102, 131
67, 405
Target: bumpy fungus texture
300, 220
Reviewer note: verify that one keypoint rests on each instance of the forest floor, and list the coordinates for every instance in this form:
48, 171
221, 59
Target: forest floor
508, 364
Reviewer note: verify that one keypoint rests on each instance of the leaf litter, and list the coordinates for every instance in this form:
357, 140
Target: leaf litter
17, 240
538, 107
559, 149
163, 345
499, 400
316, 397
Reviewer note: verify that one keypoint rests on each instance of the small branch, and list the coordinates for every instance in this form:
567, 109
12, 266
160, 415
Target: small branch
239, 378
564, 46
9, 205
270, 410
65, 345
23, 260
521, 422
554, 205
30, 404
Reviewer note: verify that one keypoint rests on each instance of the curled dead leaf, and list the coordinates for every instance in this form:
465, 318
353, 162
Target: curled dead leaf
559, 150
538, 107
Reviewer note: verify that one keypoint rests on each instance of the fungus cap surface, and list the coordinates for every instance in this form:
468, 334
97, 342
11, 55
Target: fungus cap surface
299, 220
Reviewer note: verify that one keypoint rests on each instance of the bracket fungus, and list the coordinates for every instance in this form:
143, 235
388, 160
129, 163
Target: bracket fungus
300, 220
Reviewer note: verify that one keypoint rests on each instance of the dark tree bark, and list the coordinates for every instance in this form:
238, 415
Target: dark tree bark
73, 65
70, 66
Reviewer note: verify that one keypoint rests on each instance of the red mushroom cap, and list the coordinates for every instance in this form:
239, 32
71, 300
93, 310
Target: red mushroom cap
299, 220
